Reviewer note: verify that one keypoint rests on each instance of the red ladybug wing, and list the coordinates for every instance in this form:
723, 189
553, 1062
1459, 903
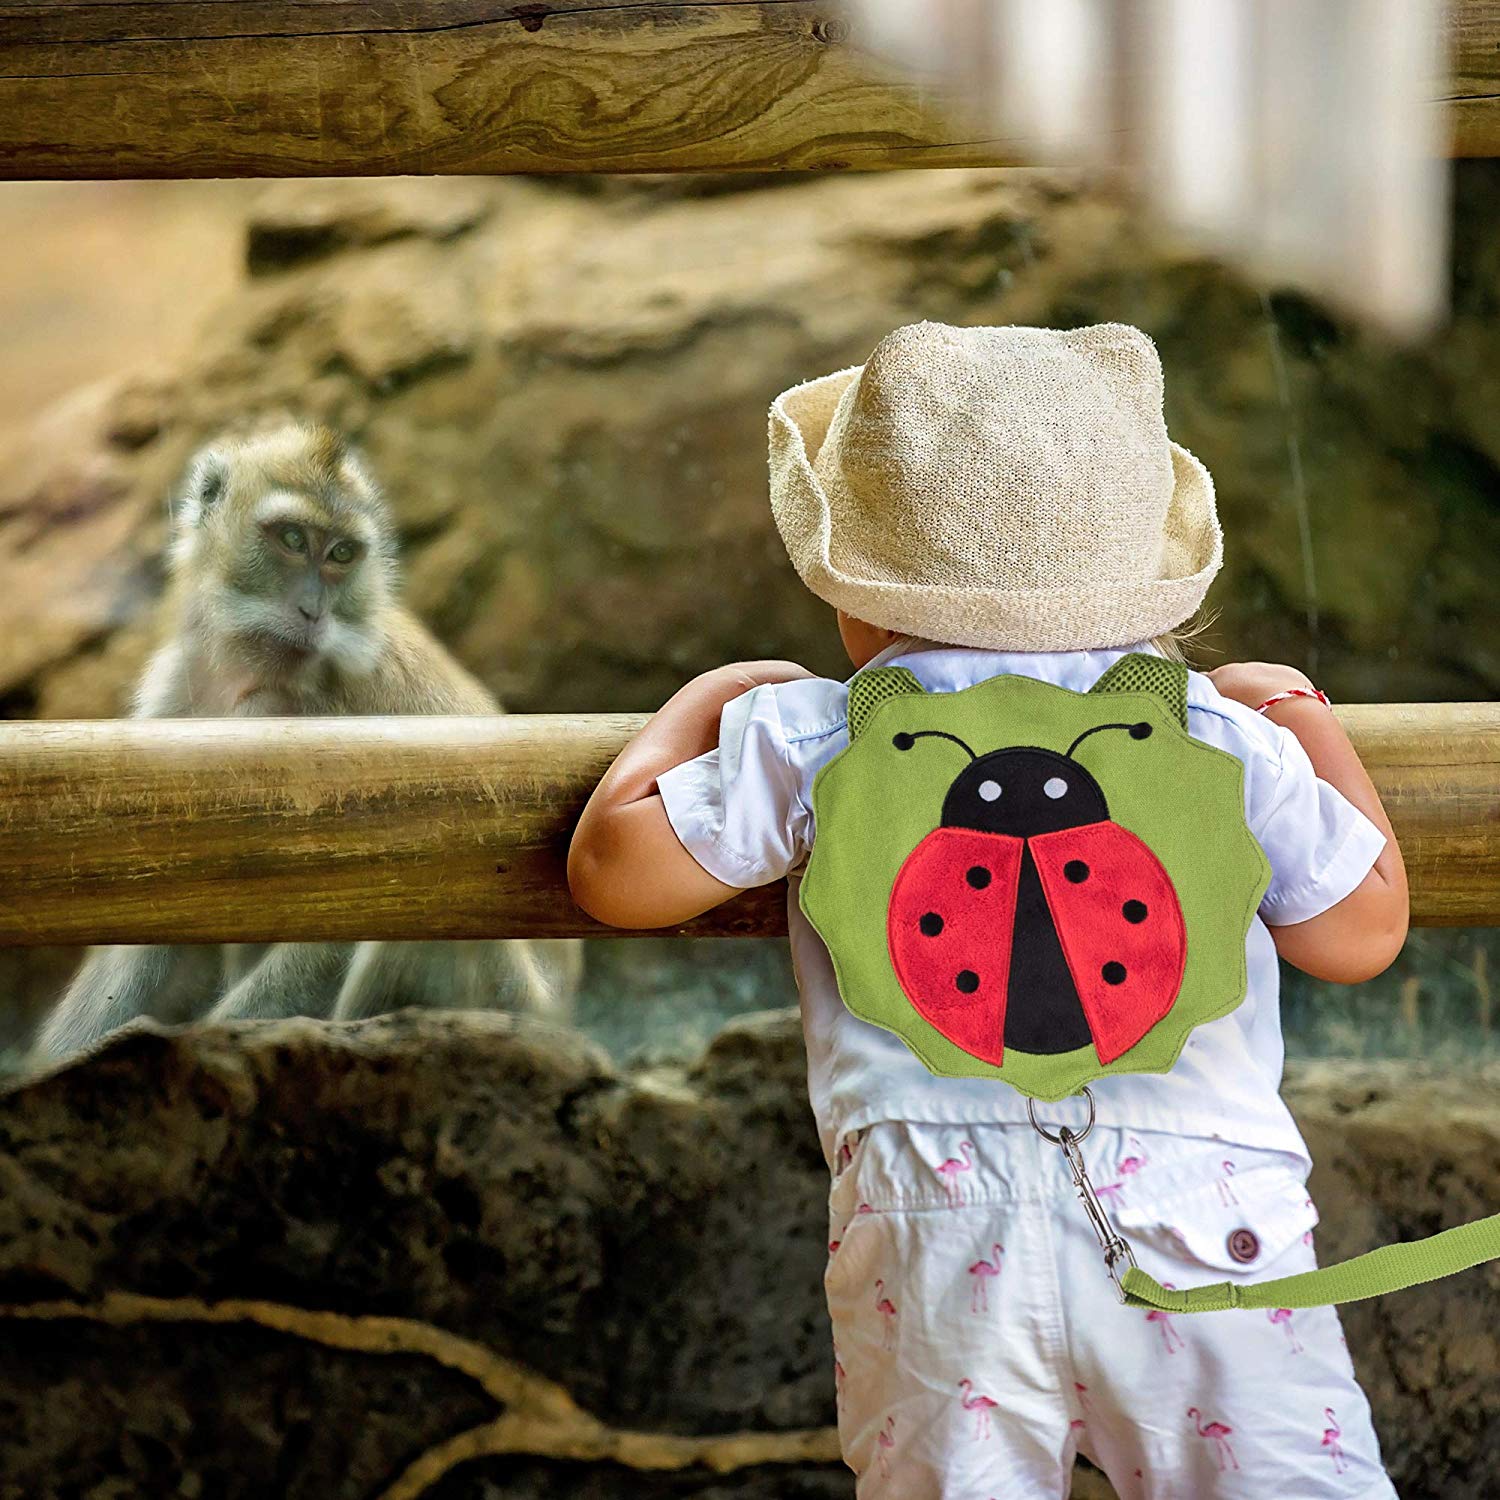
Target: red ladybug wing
1120, 925
952, 911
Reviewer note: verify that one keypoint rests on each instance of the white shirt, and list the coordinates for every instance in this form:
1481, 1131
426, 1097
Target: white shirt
744, 812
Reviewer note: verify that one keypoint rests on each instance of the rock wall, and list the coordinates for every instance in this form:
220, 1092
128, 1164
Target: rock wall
461, 1257
565, 388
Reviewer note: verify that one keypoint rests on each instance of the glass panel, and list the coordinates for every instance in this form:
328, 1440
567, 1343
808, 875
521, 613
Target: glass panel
562, 387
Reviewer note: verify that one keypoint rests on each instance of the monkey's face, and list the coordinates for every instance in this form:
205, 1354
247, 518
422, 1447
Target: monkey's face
288, 563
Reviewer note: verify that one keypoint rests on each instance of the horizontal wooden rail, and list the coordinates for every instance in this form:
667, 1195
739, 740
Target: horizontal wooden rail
251, 830
270, 88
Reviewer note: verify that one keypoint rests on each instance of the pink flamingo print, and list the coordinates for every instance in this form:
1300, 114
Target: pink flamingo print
1112, 1193
1218, 1434
1226, 1188
886, 1438
887, 1310
840, 1375
981, 1406
1283, 1315
1163, 1319
983, 1272
1127, 1167
833, 1246
1082, 1393
950, 1170
1331, 1435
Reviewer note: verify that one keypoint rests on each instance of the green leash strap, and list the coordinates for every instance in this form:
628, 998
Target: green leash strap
1392, 1268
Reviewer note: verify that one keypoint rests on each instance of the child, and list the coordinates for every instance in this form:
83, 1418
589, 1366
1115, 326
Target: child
1006, 500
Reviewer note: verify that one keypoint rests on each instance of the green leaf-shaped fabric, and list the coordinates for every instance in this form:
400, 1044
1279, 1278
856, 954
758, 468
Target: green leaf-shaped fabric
876, 803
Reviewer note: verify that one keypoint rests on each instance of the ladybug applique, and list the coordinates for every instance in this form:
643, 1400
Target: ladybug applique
1029, 919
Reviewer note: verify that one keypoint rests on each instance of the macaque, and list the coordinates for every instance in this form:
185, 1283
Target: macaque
283, 601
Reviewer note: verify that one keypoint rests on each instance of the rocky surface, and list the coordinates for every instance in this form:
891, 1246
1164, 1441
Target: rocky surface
565, 389
462, 1257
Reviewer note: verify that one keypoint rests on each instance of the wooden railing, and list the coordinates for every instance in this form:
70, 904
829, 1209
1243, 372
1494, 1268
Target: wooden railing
200, 88
252, 830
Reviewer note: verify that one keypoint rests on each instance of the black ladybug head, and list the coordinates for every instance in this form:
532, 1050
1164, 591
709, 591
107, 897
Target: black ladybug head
1023, 791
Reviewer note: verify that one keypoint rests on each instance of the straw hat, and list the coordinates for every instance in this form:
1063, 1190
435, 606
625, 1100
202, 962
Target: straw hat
1011, 488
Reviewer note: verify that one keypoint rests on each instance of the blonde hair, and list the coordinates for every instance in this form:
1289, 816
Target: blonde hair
1175, 644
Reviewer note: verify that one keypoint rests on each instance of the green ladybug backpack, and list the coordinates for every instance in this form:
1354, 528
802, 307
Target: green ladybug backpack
1046, 887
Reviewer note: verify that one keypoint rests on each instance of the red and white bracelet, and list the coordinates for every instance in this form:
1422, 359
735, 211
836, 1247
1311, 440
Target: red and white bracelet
1317, 693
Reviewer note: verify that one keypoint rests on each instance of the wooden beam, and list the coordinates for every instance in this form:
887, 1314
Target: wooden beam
1473, 95
254, 830
201, 88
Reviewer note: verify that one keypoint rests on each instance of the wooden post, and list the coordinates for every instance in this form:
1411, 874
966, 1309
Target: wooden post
277, 829
201, 88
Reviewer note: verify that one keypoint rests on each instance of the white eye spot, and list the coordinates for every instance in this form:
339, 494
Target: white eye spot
989, 790
1055, 787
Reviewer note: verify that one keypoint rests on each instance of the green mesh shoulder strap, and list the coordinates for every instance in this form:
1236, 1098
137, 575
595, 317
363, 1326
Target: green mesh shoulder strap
1034, 884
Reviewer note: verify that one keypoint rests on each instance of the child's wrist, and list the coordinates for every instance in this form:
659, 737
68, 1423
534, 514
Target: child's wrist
1293, 695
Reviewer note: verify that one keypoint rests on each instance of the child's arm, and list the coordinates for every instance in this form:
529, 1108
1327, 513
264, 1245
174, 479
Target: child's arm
1358, 937
626, 866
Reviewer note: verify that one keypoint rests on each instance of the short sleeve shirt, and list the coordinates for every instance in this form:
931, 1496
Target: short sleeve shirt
744, 811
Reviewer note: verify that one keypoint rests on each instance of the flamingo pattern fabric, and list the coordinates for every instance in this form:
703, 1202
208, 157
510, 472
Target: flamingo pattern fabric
1217, 1434
980, 1405
887, 1310
1331, 1436
952, 1169
982, 1272
1283, 1317
1171, 1340
980, 1348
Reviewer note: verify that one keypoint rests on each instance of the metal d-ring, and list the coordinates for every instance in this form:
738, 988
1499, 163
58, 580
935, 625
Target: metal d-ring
1065, 1133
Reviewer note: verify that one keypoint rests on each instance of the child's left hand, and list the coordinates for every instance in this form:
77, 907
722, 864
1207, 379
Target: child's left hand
1362, 934
1252, 682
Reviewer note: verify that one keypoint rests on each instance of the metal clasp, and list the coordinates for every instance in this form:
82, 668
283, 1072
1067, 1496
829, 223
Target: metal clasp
1117, 1252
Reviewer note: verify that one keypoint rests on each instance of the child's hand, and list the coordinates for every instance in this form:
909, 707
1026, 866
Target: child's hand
1252, 682
693, 712
626, 866
753, 674
1360, 935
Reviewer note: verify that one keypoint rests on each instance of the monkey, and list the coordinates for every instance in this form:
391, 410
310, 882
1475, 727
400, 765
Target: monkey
282, 599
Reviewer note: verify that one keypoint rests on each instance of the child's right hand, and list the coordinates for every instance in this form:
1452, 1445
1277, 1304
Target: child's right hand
754, 674
626, 866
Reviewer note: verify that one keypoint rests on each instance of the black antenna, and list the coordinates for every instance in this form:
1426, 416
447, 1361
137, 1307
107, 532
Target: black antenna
904, 741
1139, 731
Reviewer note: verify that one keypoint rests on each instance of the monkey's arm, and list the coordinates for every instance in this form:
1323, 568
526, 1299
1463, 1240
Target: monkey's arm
293, 979
162, 692
529, 978
116, 985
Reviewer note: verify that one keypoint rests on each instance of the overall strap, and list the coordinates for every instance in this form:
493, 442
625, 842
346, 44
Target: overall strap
1142, 673
1392, 1268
